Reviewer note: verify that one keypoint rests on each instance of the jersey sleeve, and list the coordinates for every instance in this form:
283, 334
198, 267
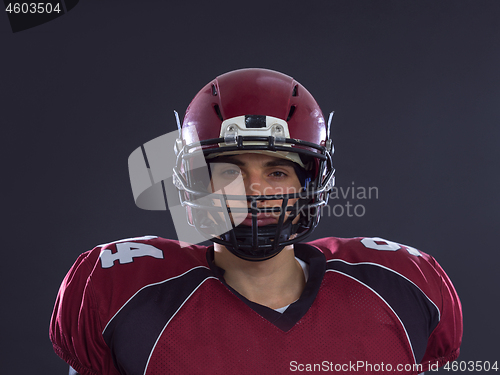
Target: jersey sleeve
420, 269
75, 328
444, 342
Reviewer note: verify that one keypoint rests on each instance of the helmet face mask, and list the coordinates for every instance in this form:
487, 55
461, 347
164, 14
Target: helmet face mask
253, 111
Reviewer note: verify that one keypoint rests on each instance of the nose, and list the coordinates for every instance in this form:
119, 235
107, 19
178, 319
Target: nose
254, 184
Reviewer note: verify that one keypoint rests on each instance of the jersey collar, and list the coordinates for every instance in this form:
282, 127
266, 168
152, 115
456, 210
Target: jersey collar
286, 320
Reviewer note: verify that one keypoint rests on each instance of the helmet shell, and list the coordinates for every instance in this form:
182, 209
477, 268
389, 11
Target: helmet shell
254, 91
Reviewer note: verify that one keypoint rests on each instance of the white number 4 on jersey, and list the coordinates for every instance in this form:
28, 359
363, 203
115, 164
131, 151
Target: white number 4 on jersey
127, 251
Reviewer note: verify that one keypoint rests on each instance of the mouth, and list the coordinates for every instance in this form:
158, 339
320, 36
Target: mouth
262, 219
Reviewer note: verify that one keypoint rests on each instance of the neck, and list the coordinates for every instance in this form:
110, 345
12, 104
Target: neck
274, 283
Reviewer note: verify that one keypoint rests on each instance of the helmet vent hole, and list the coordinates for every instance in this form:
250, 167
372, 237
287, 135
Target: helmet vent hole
295, 90
290, 114
217, 112
214, 90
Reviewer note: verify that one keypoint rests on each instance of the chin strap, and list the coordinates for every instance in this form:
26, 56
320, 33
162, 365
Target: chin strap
243, 244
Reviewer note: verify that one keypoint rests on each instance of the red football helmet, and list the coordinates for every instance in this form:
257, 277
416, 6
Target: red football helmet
263, 111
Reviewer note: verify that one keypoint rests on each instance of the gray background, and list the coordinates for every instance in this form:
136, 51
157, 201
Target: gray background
415, 86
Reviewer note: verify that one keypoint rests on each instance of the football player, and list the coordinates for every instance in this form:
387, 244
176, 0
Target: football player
253, 169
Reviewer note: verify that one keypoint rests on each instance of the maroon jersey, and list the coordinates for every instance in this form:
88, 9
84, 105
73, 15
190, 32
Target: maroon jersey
148, 306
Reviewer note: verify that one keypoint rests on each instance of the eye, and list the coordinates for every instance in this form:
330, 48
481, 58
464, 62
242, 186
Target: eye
224, 169
231, 172
278, 174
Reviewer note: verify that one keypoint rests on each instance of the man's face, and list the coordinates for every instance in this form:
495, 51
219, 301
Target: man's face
254, 174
